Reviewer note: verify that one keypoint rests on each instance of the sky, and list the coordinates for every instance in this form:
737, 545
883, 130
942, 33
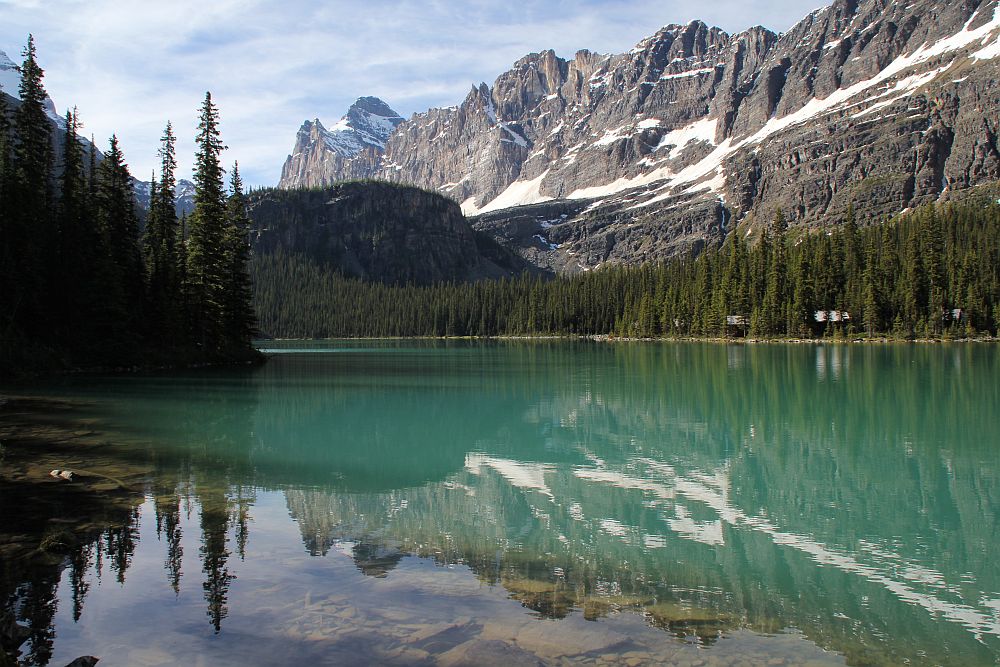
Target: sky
129, 67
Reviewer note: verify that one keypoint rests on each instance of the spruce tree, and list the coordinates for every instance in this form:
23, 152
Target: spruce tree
851, 251
240, 320
932, 251
871, 307
5, 158
913, 299
77, 239
92, 169
773, 309
183, 323
6, 211
160, 246
30, 228
119, 266
34, 132
207, 266
801, 312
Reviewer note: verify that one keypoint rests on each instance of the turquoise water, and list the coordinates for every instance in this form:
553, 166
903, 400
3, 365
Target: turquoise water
462, 503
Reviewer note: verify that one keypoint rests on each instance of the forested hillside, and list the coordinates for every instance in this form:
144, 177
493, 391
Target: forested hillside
378, 231
79, 286
934, 272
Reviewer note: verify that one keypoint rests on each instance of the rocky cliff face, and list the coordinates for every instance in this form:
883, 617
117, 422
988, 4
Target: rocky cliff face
378, 231
622, 158
350, 149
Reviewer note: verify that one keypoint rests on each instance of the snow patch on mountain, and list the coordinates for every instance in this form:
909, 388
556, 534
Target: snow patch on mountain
519, 193
688, 74
10, 78
900, 78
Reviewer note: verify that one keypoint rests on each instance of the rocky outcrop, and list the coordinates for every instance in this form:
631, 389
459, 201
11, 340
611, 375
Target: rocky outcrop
877, 105
377, 231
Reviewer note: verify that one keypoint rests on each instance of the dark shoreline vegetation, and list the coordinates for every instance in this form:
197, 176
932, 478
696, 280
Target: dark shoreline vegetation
83, 289
931, 274
80, 286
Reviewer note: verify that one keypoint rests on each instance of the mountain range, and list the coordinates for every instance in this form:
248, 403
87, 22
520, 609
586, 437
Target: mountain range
10, 81
871, 106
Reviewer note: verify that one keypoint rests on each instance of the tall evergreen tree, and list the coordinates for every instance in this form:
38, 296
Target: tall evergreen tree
775, 297
160, 246
933, 255
119, 266
240, 319
32, 236
852, 264
871, 314
77, 239
92, 168
800, 312
184, 323
34, 133
6, 211
5, 156
207, 266
914, 284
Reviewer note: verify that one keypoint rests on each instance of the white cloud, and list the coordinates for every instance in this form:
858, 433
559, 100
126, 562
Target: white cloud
130, 67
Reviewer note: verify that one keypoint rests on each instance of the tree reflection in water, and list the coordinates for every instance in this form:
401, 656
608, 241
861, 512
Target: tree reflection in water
707, 488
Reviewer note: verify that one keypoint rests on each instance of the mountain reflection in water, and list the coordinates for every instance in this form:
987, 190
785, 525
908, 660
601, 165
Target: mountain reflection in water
847, 492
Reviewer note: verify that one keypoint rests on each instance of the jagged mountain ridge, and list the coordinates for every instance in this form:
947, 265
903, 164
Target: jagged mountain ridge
641, 155
350, 149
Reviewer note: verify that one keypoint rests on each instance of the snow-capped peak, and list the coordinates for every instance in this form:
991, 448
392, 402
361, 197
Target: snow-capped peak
367, 124
10, 78
10, 83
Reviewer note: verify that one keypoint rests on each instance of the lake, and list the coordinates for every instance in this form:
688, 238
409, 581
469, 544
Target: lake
513, 502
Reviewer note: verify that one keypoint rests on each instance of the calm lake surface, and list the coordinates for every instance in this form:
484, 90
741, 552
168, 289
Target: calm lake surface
523, 502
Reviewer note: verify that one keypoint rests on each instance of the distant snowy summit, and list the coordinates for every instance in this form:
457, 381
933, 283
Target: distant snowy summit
9, 76
10, 83
359, 137
183, 195
368, 123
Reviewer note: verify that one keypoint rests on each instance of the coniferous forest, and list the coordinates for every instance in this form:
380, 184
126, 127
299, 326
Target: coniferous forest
80, 284
933, 273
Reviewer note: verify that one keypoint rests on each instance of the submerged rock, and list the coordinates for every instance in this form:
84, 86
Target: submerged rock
58, 541
84, 661
488, 652
683, 620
